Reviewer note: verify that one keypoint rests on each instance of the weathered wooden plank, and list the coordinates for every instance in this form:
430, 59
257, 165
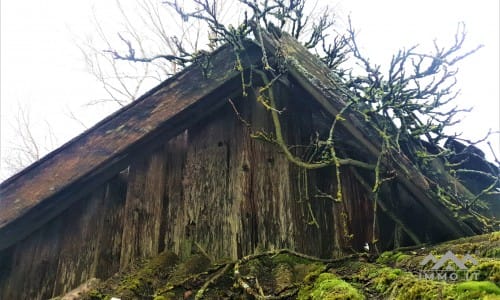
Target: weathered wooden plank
76, 246
205, 187
79, 242
314, 217
110, 238
33, 265
243, 216
359, 210
142, 215
98, 154
270, 187
174, 202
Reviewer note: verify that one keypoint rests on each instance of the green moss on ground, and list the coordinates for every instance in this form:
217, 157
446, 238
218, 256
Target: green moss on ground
391, 258
393, 283
488, 270
391, 276
329, 287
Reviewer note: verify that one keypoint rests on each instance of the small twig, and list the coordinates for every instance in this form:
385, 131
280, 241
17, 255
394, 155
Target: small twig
211, 280
203, 251
321, 194
493, 153
245, 122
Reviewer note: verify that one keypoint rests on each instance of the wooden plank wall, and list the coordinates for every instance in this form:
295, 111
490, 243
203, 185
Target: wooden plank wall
213, 188
79, 244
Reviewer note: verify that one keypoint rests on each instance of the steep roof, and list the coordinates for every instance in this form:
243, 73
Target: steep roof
43, 190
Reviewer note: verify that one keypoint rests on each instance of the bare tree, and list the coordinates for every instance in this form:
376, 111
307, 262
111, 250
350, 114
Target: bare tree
151, 28
148, 28
158, 38
34, 138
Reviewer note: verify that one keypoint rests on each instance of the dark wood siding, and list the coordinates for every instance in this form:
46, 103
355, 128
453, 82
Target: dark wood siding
212, 187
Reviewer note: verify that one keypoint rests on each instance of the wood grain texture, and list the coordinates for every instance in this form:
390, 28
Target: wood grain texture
142, 215
72, 248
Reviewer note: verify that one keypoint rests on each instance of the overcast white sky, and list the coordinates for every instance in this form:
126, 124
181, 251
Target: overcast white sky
41, 66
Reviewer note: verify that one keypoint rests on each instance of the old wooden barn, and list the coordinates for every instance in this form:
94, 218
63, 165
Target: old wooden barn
183, 168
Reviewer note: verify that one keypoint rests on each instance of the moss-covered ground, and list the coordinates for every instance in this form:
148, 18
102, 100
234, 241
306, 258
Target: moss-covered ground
286, 275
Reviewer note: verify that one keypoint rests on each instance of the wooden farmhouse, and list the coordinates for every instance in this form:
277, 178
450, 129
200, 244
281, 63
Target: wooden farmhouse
187, 167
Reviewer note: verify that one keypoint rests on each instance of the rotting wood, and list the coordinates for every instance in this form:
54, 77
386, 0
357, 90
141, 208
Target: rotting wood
82, 243
207, 208
143, 208
173, 202
79, 237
